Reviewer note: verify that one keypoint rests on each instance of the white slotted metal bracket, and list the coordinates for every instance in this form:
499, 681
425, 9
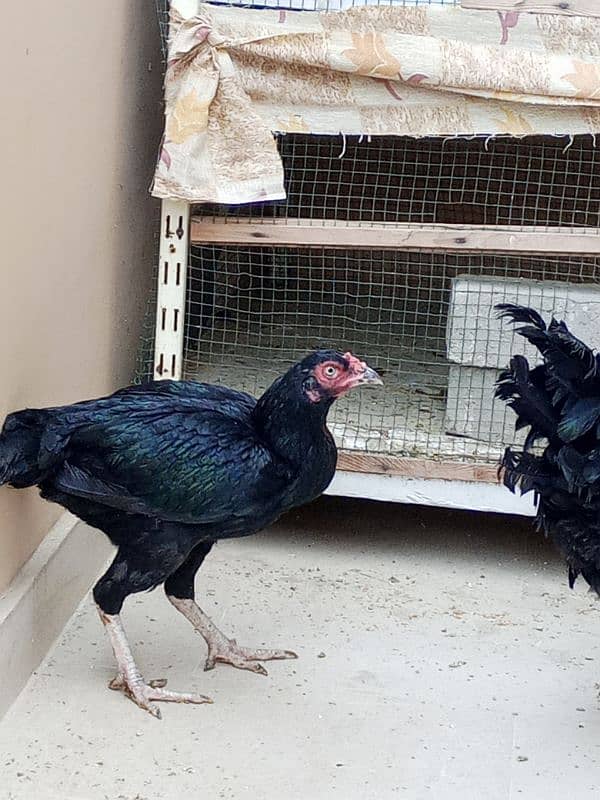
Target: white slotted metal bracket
170, 300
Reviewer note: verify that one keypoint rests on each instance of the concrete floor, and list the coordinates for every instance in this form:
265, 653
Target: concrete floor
441, 656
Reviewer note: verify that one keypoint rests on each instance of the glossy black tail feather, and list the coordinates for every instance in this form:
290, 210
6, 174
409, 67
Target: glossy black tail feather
521, 470
579, 417
20, 442
524, 391
572, 366
565, 474
520, 314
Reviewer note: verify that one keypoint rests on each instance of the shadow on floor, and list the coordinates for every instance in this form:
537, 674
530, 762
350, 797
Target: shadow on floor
340, 522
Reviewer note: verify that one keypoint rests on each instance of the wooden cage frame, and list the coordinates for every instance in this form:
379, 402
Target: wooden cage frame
450, 484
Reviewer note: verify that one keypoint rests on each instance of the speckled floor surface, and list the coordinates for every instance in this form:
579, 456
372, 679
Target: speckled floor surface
441, 656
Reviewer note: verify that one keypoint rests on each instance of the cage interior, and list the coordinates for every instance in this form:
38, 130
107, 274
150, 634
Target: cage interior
252, 312
423, 318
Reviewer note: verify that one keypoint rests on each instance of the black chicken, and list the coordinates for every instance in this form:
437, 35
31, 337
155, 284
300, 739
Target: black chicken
166, 469
559, 401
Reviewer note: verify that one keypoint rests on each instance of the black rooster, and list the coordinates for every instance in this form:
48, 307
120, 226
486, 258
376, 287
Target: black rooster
166, 469
559, 402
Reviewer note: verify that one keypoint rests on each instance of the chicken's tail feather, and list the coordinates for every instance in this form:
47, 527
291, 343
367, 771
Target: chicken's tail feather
571, 365
522, 314
523, 390
527, 472
20, 444
523, 471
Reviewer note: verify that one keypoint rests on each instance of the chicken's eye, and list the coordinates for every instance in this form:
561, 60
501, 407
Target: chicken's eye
330, 371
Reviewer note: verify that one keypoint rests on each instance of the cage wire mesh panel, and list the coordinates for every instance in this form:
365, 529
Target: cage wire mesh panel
501, 181
251, 312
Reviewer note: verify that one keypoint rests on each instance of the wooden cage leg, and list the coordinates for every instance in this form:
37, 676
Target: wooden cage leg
170, 299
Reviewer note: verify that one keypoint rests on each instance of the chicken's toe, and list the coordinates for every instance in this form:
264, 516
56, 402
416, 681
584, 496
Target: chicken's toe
228, 651
145, 695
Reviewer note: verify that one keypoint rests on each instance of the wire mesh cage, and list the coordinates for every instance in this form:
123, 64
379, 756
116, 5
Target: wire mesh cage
251, 311
424, 318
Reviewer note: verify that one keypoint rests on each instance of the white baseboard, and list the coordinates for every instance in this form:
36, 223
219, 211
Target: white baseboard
429, 492
42, 598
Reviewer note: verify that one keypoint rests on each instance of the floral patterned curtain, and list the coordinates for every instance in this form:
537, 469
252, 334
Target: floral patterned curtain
235, 76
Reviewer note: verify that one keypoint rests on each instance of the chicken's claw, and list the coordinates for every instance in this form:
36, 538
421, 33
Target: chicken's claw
143, 694
228, 651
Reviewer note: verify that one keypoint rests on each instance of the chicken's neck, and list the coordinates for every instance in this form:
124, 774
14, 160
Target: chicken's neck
291, 426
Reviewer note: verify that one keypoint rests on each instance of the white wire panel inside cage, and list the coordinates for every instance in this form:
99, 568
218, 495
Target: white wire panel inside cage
424, 320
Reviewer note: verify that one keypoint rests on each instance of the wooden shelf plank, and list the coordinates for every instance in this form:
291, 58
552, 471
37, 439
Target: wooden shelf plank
576, 8
423, 468
395, 236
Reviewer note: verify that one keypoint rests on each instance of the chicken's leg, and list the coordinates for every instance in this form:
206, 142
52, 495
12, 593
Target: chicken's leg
220, 648
179, 588
130, 681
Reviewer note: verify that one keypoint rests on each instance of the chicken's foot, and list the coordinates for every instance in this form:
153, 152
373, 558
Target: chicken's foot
220, 648
130, 681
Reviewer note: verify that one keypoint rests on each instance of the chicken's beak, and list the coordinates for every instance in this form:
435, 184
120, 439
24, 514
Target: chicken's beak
359, 374
369, 376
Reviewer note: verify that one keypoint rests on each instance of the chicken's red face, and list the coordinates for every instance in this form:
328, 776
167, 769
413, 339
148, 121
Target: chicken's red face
333, 375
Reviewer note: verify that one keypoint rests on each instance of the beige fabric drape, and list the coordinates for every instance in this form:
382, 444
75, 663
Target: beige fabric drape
236, 75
